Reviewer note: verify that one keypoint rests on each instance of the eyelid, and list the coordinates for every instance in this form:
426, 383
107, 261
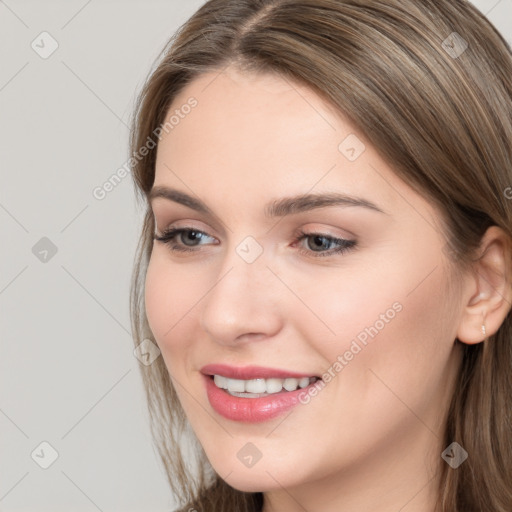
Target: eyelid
329, 231
164, 215
177, 225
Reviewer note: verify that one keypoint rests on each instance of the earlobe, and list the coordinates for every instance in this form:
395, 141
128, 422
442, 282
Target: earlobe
489, 298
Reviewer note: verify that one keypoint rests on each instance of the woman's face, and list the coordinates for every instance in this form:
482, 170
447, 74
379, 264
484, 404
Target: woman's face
372, 315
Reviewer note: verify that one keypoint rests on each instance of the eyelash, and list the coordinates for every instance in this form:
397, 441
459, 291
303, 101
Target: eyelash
344, 245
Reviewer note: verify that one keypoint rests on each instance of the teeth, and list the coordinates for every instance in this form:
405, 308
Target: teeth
220, 381
304, 382
254, 386
290, 384
274, 385
257, 387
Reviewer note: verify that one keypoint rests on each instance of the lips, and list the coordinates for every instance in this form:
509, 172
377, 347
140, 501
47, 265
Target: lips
251, 372
255, 409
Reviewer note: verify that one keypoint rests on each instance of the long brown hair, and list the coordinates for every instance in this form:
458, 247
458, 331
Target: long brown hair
429, 83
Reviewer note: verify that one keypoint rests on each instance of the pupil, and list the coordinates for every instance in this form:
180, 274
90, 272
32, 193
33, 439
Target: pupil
192, 236
319, 239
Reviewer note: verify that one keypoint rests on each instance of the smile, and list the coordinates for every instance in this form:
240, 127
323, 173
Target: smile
256, 388
253, 394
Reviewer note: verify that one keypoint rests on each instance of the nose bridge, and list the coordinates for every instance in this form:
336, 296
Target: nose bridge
240, 301
244, 268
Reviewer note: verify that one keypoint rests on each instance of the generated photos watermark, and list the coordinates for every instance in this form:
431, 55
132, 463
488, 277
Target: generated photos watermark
356, 346
101, 191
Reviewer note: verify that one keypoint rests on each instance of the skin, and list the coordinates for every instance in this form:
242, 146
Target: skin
372, 438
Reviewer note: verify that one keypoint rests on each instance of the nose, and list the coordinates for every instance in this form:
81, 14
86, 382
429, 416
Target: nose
243, 303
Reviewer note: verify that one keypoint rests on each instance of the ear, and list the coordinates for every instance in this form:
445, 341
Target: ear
489, 291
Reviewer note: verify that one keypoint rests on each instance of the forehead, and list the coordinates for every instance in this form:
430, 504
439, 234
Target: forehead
262, 135
249, 117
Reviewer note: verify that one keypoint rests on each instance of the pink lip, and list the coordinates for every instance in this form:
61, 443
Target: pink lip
250, 410
251, 372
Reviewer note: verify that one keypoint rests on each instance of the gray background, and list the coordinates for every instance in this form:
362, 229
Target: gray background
68, 375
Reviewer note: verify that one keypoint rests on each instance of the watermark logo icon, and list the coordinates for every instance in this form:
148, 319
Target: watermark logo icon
44, 455
454, 455
146, 352
44, 250
454, 45
249, 249
351, 147
44, 45
249, 455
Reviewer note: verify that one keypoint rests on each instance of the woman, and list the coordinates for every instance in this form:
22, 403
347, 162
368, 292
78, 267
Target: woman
326, 258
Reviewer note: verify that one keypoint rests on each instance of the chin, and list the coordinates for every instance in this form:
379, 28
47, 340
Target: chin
262, 477
254, 483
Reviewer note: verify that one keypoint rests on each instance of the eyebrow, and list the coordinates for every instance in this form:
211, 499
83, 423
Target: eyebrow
275, 208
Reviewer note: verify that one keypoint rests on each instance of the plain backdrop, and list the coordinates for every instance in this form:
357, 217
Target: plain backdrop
71, 396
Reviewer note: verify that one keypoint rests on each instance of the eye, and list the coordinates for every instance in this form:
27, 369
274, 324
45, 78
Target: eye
320, 240
193, 235
189, 238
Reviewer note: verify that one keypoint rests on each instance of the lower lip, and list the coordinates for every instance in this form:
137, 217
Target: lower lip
251, 410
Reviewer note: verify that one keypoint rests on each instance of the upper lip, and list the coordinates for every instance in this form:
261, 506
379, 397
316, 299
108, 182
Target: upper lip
251, 372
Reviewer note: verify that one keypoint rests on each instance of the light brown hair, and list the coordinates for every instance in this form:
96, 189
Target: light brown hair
439, 113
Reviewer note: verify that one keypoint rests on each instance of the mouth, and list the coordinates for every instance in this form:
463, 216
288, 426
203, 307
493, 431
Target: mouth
253, 394
260, 387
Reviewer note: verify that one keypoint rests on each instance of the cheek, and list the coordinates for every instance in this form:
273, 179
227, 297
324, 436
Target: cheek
395, 320
339, 306
169, 300
395, 339
379, 300
155, 298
